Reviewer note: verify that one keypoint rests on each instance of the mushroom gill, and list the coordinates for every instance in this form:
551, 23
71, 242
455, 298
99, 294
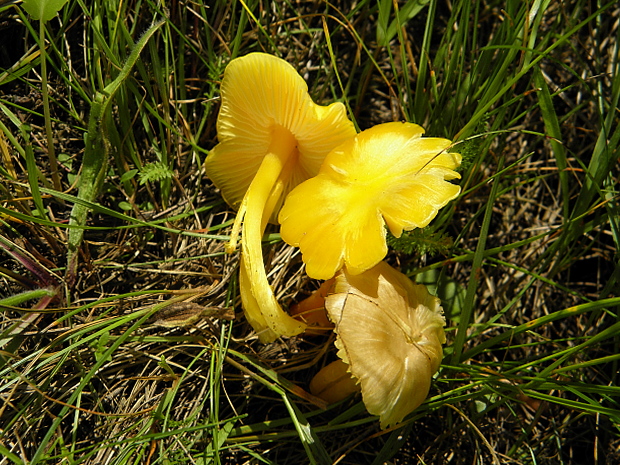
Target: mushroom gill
272, 136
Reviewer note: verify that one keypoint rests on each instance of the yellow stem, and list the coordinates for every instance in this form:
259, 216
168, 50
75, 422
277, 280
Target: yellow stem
259, 201
251, 307
236, 229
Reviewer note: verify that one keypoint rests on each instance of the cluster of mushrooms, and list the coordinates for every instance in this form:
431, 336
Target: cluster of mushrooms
283, 159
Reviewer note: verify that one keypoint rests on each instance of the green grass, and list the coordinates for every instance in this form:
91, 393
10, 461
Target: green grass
526, 260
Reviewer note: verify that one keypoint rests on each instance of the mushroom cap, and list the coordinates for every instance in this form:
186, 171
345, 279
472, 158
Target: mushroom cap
388, 174
334, 382
312, 311
261, 95
390, 332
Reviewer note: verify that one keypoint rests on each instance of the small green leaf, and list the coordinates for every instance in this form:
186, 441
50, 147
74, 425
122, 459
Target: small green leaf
43, 10
385, 31
384, 8
421, 241
155, 171
101, 346
128, 175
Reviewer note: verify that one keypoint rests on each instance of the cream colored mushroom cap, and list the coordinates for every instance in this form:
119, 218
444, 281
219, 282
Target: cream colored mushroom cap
390, 332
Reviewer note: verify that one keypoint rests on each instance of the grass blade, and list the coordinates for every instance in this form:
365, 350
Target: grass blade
95, 161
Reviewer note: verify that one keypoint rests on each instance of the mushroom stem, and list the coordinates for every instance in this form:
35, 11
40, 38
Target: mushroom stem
251, 307
236, 229
258, 203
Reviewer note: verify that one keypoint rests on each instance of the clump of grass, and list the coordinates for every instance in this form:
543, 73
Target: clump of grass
525, 260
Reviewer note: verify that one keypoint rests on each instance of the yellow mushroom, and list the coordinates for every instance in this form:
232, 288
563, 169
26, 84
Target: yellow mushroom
312, 311
272, 136
386, 175
334, 382
390, 333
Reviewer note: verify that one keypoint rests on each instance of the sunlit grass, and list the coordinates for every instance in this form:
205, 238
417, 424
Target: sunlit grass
526, 261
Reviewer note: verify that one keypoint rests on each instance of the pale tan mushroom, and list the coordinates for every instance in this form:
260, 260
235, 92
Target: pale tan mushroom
390, 333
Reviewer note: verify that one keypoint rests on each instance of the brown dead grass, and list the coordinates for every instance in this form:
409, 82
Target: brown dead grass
134, 384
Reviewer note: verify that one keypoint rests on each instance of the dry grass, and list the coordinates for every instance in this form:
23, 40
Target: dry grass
87, 378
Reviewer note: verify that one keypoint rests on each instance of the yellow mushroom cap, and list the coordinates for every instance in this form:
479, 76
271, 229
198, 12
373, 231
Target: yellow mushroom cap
263, 96
271, 137
386, 175
312, 311
334, 382
390, 332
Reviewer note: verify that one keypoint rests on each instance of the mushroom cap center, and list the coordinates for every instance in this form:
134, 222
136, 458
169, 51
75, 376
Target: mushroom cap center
284, 145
